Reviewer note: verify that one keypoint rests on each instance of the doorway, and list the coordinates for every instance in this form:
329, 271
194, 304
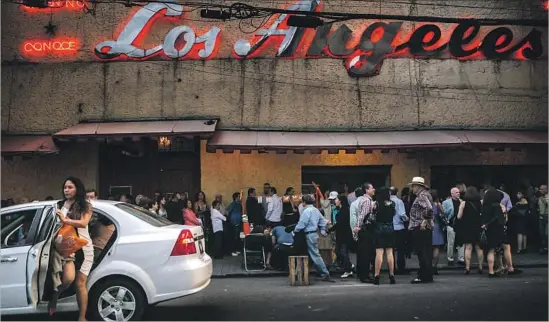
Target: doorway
334, 178
141, 168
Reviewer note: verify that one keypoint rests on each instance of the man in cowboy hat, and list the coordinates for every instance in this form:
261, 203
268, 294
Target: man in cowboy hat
421, 225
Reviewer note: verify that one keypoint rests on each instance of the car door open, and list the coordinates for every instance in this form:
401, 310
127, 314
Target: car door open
39, 257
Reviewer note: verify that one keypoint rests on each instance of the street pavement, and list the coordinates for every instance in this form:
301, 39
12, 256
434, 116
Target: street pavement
233, 266
453, 296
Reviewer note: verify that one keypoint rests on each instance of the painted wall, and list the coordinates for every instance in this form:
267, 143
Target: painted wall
42, 176
227, 173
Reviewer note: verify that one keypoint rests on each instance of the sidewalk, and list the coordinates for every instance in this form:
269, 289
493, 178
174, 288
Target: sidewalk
234, 267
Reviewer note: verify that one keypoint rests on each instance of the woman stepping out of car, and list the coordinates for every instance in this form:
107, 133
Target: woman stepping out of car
75, 211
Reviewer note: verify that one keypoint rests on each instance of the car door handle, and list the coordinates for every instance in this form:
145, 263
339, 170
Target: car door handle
9, 259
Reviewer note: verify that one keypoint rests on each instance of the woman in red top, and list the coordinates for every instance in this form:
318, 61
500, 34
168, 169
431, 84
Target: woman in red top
189, 216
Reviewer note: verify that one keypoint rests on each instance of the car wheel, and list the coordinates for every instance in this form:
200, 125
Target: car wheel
117, 299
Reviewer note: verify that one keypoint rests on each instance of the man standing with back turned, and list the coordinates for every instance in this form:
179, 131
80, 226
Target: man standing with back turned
309, 222
421, 225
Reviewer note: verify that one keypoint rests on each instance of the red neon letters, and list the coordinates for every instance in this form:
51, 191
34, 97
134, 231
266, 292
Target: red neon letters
56, 47
72, 5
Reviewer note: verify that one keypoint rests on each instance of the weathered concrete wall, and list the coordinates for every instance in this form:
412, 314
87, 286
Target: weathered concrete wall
227, 173
266, 93
42, 176
279, 94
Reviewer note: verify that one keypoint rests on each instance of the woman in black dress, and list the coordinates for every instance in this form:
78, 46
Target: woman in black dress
469, 223
521, 214
384, 233
493, 221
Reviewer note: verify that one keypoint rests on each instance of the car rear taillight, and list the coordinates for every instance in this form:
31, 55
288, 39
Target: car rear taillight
184, 244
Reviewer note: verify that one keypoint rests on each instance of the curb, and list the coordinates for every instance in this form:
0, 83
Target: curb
285, 274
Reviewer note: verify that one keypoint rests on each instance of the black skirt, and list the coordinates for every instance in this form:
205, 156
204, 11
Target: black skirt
384, 236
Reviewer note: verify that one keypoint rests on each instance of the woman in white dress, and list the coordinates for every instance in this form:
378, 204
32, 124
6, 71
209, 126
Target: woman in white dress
76, 211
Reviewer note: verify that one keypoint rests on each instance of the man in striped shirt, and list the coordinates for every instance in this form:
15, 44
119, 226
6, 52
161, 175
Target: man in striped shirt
362, 232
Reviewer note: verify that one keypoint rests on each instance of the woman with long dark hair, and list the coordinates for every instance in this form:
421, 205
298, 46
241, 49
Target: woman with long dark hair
469, 222
344, 235
189, 216
521, 214
161, 204
493, 220
384, 239
74, 210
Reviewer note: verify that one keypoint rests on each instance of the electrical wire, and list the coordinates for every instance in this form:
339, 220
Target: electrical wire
244, 11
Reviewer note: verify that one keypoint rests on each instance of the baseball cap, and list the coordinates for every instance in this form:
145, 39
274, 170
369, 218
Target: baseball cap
333, 195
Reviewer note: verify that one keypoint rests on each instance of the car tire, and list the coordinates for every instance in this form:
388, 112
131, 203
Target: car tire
122, 295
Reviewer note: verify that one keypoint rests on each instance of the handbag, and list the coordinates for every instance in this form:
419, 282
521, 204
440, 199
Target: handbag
68, 242
483, 239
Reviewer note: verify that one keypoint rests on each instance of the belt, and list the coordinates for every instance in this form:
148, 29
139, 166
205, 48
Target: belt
310, 232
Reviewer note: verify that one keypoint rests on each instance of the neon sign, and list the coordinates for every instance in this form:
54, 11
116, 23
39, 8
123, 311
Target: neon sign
58, 46
72, 5
363, 55
125, 46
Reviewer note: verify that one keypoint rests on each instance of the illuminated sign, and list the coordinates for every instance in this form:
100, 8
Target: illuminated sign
362, 48
44, 47
363, 55
72, 5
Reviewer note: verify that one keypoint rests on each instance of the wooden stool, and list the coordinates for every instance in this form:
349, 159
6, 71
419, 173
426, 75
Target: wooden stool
299, 270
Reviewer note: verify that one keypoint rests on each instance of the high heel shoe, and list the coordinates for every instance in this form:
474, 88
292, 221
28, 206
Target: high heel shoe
376, 280
467, 271
480, 271
392, 279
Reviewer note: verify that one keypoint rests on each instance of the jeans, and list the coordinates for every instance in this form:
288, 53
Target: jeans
400, 243
451, 236
342, 252
314, 253
423, 242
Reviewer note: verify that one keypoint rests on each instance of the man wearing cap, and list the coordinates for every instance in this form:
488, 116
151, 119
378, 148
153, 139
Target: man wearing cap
421, 225
309, 222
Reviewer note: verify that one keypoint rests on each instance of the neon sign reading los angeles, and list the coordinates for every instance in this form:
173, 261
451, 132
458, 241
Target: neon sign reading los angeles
363, 53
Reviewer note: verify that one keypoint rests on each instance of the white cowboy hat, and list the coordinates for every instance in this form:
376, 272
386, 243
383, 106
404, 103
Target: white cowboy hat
418, 181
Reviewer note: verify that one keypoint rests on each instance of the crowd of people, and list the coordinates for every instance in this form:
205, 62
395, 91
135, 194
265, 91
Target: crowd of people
376, 224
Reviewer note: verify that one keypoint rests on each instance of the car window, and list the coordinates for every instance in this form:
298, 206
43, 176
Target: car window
16, 227
49, 220
145, 215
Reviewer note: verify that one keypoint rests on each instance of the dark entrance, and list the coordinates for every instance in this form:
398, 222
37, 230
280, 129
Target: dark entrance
335, 177
141, 168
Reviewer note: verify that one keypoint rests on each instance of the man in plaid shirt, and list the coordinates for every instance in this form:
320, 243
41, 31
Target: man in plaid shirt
421, 225
364, 235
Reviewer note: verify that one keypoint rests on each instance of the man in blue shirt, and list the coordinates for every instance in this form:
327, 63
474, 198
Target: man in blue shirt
282, 246
234, 211
401, 233
309, 222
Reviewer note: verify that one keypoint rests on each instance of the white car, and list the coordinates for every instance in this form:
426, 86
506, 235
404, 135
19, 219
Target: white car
147, 260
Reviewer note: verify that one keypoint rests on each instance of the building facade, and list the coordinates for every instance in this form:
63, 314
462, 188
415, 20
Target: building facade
155, 97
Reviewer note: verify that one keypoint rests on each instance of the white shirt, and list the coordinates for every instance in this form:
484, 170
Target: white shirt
274, 209
217, 220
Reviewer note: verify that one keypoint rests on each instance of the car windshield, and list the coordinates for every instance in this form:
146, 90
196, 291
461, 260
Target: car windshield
145, 215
